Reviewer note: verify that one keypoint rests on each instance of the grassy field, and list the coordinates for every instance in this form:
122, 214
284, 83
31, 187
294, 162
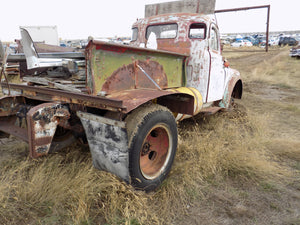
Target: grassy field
236, 167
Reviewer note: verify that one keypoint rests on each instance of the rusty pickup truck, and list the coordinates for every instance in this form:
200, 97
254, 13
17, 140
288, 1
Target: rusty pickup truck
123, 101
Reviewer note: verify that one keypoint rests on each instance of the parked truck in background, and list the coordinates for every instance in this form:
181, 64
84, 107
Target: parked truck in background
123, 101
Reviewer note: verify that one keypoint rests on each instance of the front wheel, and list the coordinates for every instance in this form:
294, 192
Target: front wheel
152, 135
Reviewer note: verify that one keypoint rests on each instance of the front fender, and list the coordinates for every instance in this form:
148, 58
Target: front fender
234, 88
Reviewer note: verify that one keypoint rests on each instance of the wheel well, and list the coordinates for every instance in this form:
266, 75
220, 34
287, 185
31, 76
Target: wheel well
178, 102
237, 90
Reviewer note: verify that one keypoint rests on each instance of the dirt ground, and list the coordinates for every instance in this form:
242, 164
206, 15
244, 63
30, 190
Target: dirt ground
272, 97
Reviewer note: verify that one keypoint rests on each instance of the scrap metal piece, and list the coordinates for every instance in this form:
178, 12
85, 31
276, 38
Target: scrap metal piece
2, 51
4, 56
32, 57
42, 121
10, 123
46, 82
9, 105
108, 143
47, 94
186, 6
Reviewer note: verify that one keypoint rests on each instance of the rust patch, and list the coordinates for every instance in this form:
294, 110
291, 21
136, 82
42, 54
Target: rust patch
134, 98
42, 121
10, 105
128, 77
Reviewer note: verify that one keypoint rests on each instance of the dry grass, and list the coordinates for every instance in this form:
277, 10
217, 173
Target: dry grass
230, 168
274, 67
65, 188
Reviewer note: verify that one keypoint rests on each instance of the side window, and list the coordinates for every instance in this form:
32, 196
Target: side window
214, 39
197, 30
134, 35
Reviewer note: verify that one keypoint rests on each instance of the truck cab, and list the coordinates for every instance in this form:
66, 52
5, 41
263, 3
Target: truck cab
196, 35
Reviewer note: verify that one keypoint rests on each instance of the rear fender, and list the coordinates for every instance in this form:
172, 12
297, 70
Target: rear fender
108, 143
172, 99
42, 121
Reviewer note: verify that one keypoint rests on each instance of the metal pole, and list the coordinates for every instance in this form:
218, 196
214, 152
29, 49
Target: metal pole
248, 8
267, 32
240, 9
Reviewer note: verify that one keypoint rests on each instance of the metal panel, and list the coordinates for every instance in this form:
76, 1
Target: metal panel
9, 106
113, 68
47, 94
186, 6
42, 121
183, 103
108, 143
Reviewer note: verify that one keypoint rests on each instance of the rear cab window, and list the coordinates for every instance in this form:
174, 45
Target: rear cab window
163, 31
134, 34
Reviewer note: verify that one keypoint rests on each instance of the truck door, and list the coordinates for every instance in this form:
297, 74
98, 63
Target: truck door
199, 60
216, 84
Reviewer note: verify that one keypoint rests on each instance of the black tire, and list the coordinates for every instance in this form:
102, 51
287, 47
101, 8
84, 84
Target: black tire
152, 135
4, 135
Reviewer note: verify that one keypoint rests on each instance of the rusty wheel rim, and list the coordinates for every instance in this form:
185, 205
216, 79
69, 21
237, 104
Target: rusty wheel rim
156, 151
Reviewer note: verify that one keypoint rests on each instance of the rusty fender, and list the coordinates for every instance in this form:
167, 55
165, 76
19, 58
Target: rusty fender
108, 143
42, 121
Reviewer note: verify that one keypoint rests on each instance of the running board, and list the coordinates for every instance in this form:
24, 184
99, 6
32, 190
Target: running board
211, 110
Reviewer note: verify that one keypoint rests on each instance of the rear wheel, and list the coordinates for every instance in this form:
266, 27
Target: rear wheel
152, 134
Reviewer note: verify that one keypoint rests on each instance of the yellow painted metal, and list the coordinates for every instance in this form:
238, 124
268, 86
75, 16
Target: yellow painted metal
198, 101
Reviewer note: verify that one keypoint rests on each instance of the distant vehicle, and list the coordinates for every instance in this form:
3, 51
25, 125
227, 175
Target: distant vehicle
253, 40
225, 42
273, 41
261, 40
287, 41
241, 43
295, 51
248, 43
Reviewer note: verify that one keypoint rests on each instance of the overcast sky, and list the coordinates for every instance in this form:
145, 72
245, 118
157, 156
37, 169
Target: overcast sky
80, 19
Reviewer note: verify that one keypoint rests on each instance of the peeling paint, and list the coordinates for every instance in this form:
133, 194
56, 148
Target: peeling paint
42, 121
108, 143
111, 68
